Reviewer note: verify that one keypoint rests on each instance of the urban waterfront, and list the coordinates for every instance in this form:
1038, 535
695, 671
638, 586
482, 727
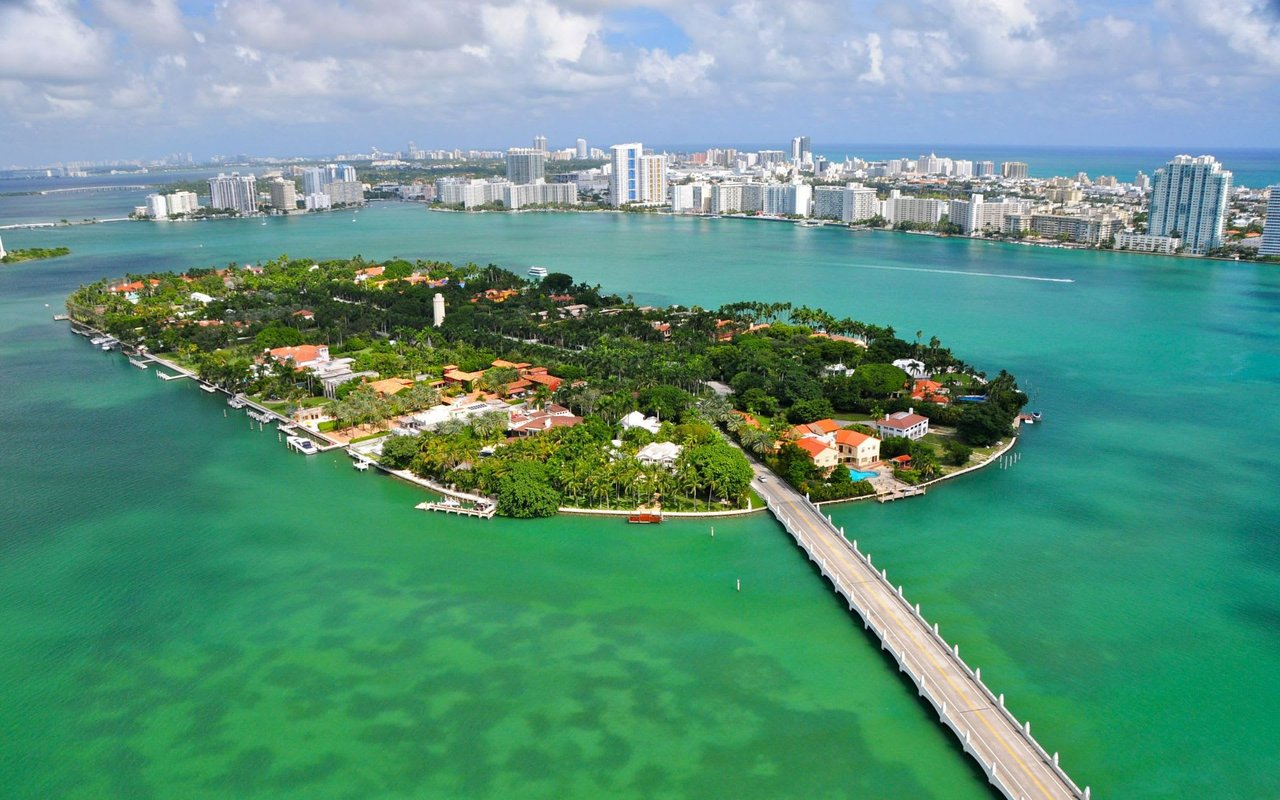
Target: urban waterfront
190, 609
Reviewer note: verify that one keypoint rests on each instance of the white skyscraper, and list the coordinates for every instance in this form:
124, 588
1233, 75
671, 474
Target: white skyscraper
1189, 195
235, 191
624, 180
437, 310
157, 206
653, 179
540, 143
801, 150
582, 149
1271, 231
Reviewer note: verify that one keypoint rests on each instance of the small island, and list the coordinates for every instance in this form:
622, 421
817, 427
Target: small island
537, 395
32, 254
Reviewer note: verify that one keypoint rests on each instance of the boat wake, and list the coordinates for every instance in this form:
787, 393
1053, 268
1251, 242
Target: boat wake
963, 272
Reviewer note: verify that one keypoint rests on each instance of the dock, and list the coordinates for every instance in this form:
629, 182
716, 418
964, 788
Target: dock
1003, 747
486, 512
899, 494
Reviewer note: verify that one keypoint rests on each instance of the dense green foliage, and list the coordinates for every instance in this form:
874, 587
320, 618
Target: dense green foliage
785, 364
33, 253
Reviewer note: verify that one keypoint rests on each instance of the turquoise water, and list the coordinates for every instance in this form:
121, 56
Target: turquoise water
189, 610
859, 475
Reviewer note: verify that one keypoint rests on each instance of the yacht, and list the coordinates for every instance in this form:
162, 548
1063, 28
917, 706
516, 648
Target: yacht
537, 272
303, 445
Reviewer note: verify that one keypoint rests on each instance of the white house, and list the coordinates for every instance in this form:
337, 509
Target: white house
201, 297
664, 453
907, 423
637, 420
912, 367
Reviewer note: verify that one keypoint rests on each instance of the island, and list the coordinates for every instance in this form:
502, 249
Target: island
32, 254
535, 395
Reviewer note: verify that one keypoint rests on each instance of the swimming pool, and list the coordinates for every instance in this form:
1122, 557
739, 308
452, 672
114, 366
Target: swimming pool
859, 475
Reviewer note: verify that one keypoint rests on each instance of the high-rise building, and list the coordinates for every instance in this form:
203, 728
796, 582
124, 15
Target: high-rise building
526, 165
1271, 231
284, 194
1014, 170
182, 202
540, 143
582, 152
1141, 182
801, 150
624, 180
157, 206
1189, 195
314, 179
235, 191
984, 168
653, 179
348, 193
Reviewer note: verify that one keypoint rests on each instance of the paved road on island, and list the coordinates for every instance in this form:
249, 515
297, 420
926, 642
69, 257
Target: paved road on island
1007, 753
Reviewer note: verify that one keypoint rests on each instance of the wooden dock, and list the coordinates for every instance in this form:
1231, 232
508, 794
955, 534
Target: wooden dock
486, 512
899, 494
1003, 747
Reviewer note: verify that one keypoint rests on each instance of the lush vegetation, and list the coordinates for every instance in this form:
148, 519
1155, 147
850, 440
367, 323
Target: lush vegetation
776, 365
34, 253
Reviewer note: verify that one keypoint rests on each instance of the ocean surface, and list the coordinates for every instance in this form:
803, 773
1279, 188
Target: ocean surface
189, 610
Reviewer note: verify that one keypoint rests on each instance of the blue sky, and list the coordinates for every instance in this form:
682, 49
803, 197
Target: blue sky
100, 79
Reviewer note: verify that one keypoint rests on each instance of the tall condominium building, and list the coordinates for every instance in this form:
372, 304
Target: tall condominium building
653, 180
1141, 182
540, 143
624, 181
235, 191
526, 165
851, 203
1271, 231
582, 152
157, 206
801, 150
314, 179
918, 210
345, 192
1014, 170
284, 194
978, 214
183, 203
984, 168
1189, 195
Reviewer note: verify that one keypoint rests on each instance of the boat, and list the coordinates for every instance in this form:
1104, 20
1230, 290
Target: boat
537, 272
645, 518
138, 363
361, 464
97, 340
208, 387
237, 401
110, 344
303, 445
810, 223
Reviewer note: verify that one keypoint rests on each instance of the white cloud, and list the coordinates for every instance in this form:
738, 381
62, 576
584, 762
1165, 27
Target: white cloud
44, 40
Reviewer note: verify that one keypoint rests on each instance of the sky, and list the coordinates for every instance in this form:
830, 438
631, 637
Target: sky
119, 79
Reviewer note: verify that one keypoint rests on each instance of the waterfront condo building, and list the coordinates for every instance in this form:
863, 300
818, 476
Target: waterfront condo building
1014, 170
284, 194
1190, 195
636, 177
235, 191
1271, 231
526, 165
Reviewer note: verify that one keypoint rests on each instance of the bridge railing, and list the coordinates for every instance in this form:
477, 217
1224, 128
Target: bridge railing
963, 731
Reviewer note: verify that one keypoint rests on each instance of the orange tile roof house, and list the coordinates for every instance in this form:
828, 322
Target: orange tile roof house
388, 387
823, 455
856, 448
931, 392
304, 356
369, 272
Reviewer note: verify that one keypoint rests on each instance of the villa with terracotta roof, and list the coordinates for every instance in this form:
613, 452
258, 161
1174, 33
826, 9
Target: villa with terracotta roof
907, 424
389, 387
823, 455
456, 377
529, 422
930, 392
304, 356
369, 272
857, 449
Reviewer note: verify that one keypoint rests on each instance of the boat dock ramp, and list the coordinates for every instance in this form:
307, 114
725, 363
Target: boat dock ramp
486, 511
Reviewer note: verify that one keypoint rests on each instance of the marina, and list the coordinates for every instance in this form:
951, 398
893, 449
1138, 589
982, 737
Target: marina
481, 511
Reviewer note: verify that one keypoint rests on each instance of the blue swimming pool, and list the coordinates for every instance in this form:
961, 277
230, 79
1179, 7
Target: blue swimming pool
859, 475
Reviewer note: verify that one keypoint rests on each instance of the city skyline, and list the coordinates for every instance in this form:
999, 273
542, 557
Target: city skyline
105, 79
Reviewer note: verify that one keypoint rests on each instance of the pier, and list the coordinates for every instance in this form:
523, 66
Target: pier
1003, 747
486, 512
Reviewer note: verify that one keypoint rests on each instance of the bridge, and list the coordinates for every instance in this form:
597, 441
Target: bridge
1003, 747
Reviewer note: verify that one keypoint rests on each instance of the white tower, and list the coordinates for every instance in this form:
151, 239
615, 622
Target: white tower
437, 307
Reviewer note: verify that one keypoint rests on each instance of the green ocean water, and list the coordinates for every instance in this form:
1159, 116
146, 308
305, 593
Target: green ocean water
189, 610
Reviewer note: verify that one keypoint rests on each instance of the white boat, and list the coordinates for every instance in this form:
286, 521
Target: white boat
208, 387
109, 344
537, 272
97, 340
361, 464
303, 445
236, 401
